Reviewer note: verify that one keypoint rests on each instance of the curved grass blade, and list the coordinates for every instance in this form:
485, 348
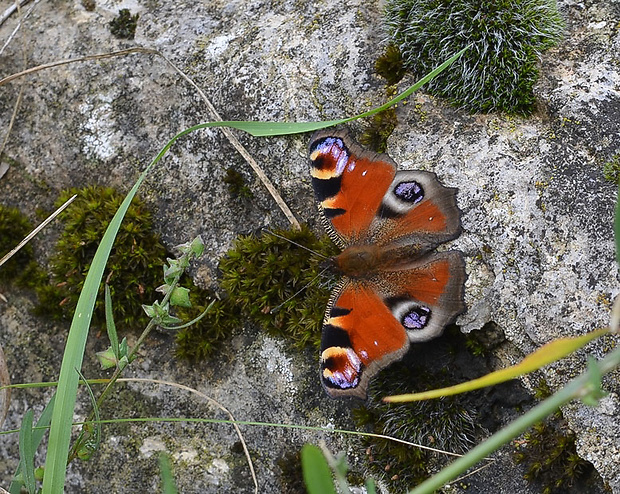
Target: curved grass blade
577, 388
261, 129
37, 437
545, 355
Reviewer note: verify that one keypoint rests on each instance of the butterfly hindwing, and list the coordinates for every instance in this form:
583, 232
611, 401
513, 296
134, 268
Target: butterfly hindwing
370, 324
360, 336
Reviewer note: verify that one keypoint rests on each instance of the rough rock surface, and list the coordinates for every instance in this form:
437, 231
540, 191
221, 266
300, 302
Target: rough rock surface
537, 212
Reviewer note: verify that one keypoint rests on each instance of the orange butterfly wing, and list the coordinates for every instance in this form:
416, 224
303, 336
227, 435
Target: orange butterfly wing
369, 324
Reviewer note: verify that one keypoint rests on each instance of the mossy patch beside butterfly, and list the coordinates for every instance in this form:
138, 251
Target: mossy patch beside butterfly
261, 276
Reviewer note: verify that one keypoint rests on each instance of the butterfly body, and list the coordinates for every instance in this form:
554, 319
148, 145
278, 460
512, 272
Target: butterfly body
394, 290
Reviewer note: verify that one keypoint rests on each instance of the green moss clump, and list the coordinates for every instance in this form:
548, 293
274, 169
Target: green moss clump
506, 37
261, 276
258, 274
124, 26
445, 423
134, 268
390, 65
381, 126
550, 456
236, 184
611, 169
21, 270
200, 340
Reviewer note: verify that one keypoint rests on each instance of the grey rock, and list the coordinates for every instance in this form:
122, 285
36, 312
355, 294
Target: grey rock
537, 216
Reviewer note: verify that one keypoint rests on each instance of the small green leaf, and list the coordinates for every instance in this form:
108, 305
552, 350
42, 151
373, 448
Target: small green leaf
180, 297
123, 362
123, 348
38, 473
107, 359
167, 320
173, 270
26, 452
163, 288
150, 310
197, 246
316, 472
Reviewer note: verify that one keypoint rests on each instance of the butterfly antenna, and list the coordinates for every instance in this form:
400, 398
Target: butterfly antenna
278, 307
295, 243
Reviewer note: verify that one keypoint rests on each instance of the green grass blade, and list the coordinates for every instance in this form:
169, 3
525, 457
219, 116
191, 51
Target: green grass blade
26, 452
617, 227
167, 479
37, 437
60, 430
546, 354
316, 472
261, 129
109, 322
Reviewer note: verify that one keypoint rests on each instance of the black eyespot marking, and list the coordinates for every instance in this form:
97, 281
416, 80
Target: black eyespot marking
409, 192
416, 318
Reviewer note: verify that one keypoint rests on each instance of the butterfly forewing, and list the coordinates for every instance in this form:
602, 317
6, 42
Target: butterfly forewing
349, 184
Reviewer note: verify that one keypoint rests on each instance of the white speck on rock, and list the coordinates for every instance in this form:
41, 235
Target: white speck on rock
188, 455
98, 129
276, 362
152, 445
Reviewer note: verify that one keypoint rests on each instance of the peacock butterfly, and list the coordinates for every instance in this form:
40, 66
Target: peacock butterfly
394, 290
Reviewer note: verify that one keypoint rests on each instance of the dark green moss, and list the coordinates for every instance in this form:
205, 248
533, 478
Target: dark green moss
199, 341
548, 451
134, 268
236, 184
611, 169
444, 424
261, 276
124, 25
390, 65
291, 474
21, 270
381, 126
257, 275
499, 69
